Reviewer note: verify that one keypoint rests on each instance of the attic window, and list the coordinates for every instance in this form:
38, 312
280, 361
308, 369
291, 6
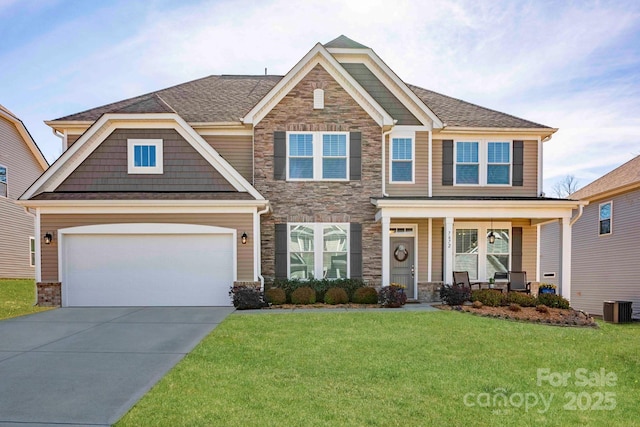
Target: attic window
318, 99
144, 156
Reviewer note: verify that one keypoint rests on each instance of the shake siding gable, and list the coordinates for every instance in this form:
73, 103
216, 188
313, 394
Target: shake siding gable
314, 201
106, 168
606, 267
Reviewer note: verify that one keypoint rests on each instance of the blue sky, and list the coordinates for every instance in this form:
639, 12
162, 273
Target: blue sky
570, 65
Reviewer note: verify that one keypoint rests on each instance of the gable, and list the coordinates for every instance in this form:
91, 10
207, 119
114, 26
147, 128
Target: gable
105, 169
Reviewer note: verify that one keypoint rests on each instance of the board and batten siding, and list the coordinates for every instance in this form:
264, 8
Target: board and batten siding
606, 267
528, 189
420, 187
17, 226
550, 244
237, 150
243, 223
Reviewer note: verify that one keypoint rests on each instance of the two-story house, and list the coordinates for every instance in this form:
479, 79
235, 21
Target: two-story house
337, 169
21, 163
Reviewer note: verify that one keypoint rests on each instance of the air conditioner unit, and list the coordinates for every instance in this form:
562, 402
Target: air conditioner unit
617, 311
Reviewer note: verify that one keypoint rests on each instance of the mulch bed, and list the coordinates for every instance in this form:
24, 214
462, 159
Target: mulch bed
555, 316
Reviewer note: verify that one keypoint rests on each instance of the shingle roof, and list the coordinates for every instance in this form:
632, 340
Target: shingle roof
344, 42
455, 112
227, 98
622, 176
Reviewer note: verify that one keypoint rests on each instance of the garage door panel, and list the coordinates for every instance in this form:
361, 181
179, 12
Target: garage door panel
148, 270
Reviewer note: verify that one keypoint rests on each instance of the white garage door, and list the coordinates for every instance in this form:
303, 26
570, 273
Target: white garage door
155, 269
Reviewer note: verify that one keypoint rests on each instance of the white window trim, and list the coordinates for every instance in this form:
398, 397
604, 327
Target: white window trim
403, 135
157, 169
318, 252
32, 259
317, 156
610, 202
483, 229
7, 178
483, 161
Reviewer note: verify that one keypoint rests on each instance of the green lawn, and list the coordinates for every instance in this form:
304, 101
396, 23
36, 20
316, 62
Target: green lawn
391, 368
17, 297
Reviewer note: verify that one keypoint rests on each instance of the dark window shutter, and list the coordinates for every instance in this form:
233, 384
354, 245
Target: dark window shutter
447, 162
280, 155
516, 249
355, 156
281, 251
355, 250
518, 154
444, 245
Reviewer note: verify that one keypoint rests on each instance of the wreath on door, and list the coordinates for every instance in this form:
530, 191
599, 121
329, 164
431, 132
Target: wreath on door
401, 253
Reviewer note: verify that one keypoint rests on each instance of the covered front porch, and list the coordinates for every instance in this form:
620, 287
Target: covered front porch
425, 240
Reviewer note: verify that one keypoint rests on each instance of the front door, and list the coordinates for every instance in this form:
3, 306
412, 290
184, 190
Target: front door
403, 264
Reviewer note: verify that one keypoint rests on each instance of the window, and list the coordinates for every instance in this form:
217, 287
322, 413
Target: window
402, 160
483, 163
145, 156
499, 163
605, 218
32, 251
474, 253
317, 156
318, 250
467, 163
318, 99
3, 181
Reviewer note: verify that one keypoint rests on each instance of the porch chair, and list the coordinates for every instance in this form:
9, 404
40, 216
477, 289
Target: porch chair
461, 278
518, 282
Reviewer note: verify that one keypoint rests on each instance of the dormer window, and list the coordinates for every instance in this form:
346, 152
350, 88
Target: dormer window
318, 99
144, 156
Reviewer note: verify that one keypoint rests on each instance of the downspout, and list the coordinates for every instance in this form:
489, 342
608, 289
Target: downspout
36, 229
259, 252
62, 137
384, 160
577, 217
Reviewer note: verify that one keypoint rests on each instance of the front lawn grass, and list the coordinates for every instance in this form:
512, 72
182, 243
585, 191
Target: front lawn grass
394, 369
17, 297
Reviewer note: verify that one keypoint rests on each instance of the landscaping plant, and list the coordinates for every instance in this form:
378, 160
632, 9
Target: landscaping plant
454, 294
335, 296
365, 295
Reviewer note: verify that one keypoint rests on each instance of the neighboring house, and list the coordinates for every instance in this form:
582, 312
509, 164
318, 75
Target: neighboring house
21, 163
605, 257
337, 169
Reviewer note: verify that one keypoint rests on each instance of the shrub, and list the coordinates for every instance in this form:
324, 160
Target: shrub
477, 304
514, 307
275, 296
553, 300
365, 295
303, 295
392, 297
319, 285
247, 298
521, 299
489, 297
454, 294
335, 296
542, 309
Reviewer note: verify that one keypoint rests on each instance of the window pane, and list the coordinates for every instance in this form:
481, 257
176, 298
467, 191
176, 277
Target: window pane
301, 239
335, 238
152, 155
137, 155
335, 248
402, 149
401, 171
32, 244
469, 263
466, 240
499, 152
497, 264
3, 189
466, 174
3, 174
605, 226
334, 168
301, 145
334, 265
334, 145
498, 174
501, 244
467, 152
145, 155
301, 168
301, 265
605, 211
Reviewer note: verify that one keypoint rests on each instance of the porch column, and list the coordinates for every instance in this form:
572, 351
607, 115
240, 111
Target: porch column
565, 281
448, 250
386, 267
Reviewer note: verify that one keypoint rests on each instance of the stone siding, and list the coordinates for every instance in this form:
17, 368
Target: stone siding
49, 294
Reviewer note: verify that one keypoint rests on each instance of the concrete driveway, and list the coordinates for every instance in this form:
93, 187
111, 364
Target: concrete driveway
89, 366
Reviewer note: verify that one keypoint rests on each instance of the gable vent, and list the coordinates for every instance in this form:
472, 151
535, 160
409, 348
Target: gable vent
318, 99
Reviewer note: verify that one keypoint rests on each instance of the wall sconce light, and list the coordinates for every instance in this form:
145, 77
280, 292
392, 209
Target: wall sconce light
244, 238
492, 237
48, 237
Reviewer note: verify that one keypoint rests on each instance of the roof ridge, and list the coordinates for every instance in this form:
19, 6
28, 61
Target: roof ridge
614, 171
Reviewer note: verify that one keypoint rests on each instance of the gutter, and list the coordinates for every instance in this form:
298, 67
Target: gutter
577, 217
384, 160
